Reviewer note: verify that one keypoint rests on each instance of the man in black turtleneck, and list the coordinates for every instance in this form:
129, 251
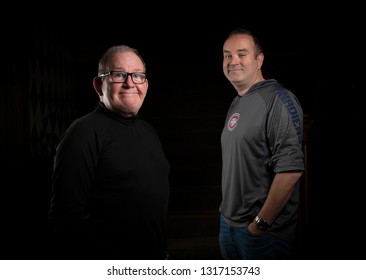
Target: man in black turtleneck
110, 187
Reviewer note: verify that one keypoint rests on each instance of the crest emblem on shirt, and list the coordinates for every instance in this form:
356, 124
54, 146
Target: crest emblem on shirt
233, 121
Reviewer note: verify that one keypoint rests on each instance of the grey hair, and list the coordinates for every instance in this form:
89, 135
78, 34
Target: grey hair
106, 61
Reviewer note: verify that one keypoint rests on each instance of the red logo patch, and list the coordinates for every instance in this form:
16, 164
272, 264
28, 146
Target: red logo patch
233, 121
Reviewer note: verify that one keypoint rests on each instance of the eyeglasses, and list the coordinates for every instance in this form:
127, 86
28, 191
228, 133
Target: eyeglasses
121, 77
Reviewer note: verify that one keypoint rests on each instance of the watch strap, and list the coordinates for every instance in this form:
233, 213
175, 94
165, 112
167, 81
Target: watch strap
261, 224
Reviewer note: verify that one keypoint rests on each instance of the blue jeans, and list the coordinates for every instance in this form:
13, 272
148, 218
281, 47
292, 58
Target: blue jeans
237, 243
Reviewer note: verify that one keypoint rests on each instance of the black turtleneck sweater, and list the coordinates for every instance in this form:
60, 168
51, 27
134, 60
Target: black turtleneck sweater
110, 189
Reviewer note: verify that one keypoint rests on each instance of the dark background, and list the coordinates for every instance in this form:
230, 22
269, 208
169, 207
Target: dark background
50, 59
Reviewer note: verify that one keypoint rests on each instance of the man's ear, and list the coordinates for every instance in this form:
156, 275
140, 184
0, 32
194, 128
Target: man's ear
97, 84
260, 59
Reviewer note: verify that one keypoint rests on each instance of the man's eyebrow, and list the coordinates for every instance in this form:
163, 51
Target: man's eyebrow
239, 50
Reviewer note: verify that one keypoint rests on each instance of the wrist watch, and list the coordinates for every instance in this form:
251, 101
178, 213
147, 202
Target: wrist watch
261, 224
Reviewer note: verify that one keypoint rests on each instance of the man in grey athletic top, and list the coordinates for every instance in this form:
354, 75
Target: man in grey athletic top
262, 158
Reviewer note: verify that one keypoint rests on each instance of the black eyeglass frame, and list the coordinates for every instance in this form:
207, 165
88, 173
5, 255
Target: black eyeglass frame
127, 74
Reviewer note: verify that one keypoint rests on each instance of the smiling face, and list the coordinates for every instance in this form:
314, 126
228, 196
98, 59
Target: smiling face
241, 65
124, 98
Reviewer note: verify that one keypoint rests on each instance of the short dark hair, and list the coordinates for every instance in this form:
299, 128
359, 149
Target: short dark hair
243, 31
